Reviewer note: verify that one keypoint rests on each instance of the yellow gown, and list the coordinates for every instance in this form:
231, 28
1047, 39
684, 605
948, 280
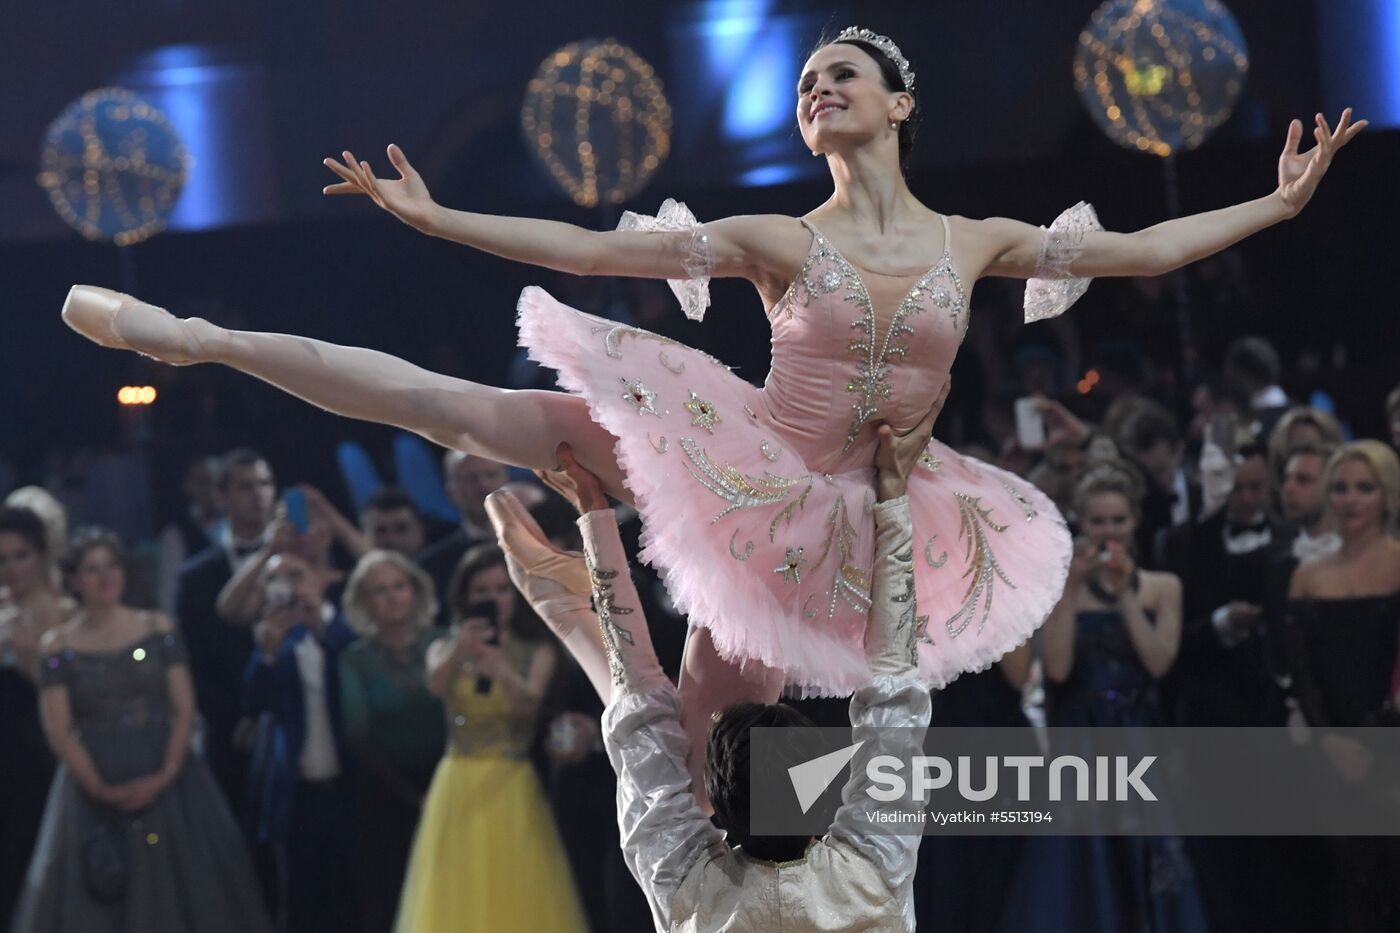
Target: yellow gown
487, 855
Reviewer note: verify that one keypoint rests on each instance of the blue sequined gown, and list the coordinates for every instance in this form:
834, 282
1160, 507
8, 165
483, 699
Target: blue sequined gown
1105, 884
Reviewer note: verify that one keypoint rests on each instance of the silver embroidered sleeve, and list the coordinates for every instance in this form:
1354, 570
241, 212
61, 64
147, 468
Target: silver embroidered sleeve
688, 237
891, 636
626, 640
1053, 289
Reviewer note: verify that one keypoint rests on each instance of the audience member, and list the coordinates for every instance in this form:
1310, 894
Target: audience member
1345, 616
393, 724
1221, 677
136, 835
218, 652
493, 677
305, 802
35, 606
1150, 437
1301, 425
1252, 371
469, 480
191, 531
391, 521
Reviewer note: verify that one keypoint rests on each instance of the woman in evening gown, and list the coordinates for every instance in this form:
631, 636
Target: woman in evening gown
487, 856
1344, 616
1110, 639
756, 502
33, 605
136, 837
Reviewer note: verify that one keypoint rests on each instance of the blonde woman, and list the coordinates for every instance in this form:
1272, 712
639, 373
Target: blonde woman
393, 724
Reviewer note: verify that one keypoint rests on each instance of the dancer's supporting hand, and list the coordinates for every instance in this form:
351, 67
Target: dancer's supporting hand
898, 454
572, 481
1299, 173
407, 198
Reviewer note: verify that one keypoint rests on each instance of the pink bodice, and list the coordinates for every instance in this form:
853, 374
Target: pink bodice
853, 348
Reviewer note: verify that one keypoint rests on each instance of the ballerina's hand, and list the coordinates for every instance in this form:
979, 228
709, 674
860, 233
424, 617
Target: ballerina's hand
1299, 173
407, 198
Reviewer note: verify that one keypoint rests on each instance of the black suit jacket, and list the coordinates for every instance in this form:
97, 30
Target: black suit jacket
1211, 684
218, 653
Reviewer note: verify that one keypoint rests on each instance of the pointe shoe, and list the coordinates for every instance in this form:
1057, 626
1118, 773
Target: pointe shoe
113, 319
555, 583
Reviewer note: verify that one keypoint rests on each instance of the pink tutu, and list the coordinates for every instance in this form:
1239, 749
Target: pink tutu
757, 503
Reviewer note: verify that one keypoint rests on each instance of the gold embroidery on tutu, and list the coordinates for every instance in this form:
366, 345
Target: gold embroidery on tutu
612, 344
740, 491
769, 453
983, 568
786, 512
849, 582
929, 462
702, 413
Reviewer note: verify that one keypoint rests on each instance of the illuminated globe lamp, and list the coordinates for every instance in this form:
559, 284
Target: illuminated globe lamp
597, 119
113, 166
1159, 76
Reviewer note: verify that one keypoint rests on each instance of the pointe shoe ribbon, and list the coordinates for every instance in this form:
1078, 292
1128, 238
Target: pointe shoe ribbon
116, 320
555, 583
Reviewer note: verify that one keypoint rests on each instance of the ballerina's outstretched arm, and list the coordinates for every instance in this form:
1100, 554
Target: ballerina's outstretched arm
744, 247
519, 427
1018, 250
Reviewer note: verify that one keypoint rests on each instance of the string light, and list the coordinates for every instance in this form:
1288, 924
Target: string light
616, 134
1159, 76
113, 166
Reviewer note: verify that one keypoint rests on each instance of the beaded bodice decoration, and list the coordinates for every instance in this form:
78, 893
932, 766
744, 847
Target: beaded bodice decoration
879, 339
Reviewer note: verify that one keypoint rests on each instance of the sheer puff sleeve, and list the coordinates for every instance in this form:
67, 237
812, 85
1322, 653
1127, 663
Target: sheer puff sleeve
697, 258
1053, 289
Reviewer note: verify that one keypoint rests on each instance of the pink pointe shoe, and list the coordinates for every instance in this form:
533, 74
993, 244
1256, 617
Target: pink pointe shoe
112, 319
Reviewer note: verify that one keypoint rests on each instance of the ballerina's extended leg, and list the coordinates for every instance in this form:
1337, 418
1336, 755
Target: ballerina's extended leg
518, 427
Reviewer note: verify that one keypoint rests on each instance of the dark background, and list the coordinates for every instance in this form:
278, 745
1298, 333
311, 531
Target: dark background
1004, 133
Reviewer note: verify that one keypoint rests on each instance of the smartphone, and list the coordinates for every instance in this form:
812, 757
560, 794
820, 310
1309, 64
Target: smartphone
294, 501
486, 609
1030, 424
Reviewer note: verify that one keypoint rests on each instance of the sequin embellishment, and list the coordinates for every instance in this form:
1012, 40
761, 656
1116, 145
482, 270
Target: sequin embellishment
748, 548
605, 608
1019, 498
928, 555
740, 491
702, 413
639, 395
791, 567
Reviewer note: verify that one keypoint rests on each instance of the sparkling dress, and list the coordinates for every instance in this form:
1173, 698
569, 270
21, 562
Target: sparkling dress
487, 856
187, 867
757, 502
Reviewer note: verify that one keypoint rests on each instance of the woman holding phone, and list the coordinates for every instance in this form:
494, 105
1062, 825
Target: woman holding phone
487, 855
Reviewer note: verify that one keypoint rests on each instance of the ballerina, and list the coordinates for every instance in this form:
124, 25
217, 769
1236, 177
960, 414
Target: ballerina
757, 503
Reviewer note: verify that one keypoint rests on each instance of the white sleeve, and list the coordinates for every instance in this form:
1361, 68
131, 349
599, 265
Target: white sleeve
697, 256
1053, 288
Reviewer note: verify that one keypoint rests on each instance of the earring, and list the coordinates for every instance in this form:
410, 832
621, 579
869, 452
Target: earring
894, 125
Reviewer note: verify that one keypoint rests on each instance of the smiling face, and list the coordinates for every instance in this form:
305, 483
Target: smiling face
389, 594
1355, 496
843, 100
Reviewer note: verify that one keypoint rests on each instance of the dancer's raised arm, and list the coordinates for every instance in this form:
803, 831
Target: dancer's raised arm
1019, 250
734, 247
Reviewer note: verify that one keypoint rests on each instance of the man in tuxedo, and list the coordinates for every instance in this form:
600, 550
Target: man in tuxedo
469, 480
1220, 677
1303, 498
1151, 439
247, 495
305, 805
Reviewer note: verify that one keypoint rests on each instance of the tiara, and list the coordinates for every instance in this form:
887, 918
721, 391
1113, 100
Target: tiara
884, 44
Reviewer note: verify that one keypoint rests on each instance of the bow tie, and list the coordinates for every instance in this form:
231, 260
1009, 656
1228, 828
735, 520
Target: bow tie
1234, 530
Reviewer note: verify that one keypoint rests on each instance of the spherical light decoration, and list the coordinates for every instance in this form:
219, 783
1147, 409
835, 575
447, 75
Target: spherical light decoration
597, 119
1160, 76
113, 166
